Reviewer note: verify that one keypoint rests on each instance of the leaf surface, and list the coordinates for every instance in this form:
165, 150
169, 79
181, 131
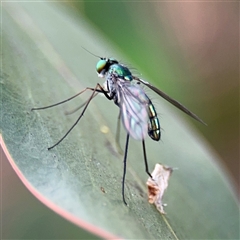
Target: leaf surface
80, 179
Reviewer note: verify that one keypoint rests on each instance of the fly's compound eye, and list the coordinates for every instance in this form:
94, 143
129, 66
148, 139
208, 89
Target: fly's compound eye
101, 66
104, 64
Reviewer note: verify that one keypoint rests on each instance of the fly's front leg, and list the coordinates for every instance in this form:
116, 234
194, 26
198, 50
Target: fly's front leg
79, 107
97, 89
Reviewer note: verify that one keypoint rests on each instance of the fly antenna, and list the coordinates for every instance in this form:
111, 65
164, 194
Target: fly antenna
91, 52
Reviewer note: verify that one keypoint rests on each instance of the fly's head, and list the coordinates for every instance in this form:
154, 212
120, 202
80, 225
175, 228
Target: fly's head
103, 66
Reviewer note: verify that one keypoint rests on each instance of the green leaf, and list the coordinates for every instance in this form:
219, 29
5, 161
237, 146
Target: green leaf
80, 179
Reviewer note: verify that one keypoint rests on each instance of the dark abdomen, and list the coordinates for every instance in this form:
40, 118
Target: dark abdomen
153, 123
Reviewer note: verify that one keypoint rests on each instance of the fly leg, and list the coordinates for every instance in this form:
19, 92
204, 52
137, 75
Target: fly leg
84, 109
56, 104
125, 167
145, 159
79, 107
97, 89
117, 139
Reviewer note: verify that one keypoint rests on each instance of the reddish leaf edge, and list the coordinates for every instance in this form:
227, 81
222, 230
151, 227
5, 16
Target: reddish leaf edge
63, 213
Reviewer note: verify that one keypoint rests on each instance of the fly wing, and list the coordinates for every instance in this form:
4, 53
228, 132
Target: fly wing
134, 112
171, 100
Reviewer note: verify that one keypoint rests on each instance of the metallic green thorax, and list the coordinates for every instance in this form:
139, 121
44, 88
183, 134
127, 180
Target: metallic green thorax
121, 72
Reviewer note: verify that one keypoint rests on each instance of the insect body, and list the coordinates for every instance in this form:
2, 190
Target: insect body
137, 112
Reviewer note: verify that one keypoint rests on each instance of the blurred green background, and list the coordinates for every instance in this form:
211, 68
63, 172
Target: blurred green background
201, 42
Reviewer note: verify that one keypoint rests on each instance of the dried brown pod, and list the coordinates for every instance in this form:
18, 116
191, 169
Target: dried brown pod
157, 185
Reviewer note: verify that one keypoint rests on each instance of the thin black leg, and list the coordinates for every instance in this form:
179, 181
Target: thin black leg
56, 104
145, 159
119, 149
124, 168
79, 107
84, 109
